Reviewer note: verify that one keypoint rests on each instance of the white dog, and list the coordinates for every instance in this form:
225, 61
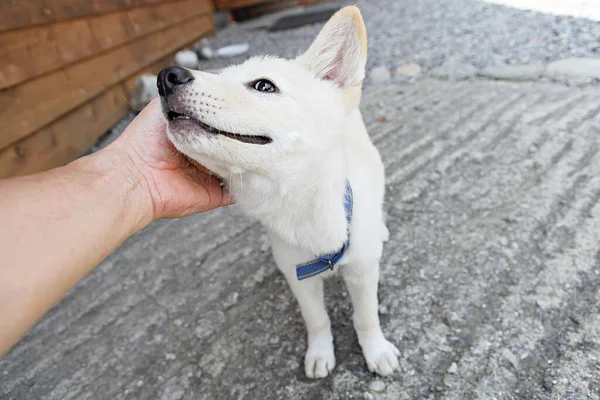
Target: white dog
288, 138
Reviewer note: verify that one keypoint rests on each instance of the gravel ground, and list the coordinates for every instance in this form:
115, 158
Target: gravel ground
431, 32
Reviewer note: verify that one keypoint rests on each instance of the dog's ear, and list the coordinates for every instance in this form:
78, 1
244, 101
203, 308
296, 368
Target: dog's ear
339, 53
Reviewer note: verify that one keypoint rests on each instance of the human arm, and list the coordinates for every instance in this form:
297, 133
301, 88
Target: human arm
56, 226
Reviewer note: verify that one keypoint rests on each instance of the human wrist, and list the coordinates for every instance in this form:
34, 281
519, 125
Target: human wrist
120, 178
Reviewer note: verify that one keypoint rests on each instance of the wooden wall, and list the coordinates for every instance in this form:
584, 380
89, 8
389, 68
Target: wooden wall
233, 4
68, 67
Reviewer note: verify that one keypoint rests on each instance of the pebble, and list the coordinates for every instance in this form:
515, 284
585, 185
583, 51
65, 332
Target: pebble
511, 358
170, 356
140, 383
204, 51
574, 67
274, 340
377, 386
231, 300
265, 245
454, 70
383, 310
380, 74
233, 50
453, 369
540, 304
186, 59
178, 322
409, 70
525, 72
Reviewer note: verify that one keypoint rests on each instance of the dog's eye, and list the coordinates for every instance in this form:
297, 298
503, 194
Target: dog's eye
264, 85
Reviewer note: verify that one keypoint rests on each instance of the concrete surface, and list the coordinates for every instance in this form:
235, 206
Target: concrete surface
489, 283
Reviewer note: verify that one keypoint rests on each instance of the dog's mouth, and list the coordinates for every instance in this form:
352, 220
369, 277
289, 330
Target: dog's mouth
179, 118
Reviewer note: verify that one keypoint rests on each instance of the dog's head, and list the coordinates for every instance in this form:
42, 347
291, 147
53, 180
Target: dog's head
268, 111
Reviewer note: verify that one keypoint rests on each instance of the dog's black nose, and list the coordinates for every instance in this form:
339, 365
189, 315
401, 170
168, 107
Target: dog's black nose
169, 78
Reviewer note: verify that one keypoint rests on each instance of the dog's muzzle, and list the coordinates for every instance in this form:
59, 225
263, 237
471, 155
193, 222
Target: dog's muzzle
171, 78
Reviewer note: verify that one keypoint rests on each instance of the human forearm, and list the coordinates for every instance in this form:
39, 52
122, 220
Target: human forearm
55, 227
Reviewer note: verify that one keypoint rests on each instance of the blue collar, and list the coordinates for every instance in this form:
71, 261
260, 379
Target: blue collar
328, 261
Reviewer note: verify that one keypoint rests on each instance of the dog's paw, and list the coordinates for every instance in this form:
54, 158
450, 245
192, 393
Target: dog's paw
381, 356
320, 359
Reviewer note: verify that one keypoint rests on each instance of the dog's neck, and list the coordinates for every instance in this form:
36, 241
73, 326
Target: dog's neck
302, 201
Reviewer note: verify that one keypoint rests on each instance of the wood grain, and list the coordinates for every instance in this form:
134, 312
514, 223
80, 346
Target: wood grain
72, 135
30, 106
28, 53
25, 13
65, 139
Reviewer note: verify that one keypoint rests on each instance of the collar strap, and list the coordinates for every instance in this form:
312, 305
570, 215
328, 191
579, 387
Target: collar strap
328, 261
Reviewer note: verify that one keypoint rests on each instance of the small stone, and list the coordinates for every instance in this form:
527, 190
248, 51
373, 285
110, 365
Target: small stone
574, 67
383, 310
231, 300
274, 340
381, 118
178, 322
377, 386
145, 91
511, 358
550, 362
453, 70
265, 245
504, 241
170, 356
204, 51
186, 59
380, 74
453, 369
233, 50
367, 396
525, 72
540, 304
409, 70
140, 383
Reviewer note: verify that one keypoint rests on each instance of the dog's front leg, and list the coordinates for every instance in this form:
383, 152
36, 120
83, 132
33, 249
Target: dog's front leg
320, 359
381, 355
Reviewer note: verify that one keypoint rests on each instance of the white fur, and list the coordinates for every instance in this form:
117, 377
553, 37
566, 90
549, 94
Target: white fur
295, 184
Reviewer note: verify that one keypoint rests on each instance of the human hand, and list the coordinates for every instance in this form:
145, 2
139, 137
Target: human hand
174, 186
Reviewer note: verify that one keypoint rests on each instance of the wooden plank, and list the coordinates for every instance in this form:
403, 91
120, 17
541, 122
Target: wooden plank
231, 4
27, 53
65, 139
28, 107
24, 13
